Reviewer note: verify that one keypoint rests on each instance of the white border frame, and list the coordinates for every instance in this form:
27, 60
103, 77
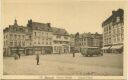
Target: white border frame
68, 77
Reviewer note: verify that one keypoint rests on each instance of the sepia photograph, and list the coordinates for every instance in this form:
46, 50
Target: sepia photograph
63, 37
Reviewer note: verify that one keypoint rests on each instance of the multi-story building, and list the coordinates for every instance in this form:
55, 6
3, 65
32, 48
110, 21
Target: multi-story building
88, 40
35, 38
97, 40
40, 37
14, 39
113, 28
61, 40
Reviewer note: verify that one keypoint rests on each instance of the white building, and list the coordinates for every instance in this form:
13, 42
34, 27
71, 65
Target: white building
61, 40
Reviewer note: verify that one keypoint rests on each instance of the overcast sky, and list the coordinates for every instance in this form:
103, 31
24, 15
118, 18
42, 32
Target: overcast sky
73, 15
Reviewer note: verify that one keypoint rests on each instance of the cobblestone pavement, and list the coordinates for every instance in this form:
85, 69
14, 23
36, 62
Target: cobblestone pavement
65, 64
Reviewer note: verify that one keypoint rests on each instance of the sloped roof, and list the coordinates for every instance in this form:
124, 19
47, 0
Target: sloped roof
72, 35
15, 28
41, 26
112, 18
59, 31
96, 35
85, 35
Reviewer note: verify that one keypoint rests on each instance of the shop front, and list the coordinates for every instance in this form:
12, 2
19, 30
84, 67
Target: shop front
17, 50
106, 49
38, 50
48, 49
117, 49
29, 51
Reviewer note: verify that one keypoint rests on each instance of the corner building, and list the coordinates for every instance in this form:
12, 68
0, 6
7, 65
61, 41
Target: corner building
113, 32
14, 39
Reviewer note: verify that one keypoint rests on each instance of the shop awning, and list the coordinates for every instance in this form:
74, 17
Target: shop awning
117, 47
107, 47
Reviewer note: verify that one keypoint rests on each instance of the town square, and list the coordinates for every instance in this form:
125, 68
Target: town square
69, 38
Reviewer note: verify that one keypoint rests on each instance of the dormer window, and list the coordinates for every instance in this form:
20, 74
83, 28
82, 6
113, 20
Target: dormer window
117, 19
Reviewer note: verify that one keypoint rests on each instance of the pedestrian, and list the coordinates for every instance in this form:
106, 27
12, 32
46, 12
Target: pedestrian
19, 55
15, 56
37, 59
73, 54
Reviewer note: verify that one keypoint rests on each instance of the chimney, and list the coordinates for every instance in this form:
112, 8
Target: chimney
15, 22
29, 23
49, 24
113, 12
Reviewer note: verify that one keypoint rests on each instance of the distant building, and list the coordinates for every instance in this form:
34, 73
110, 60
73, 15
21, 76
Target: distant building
41, 37
14, 39
88, 40
72, 42
61, 40
113, 29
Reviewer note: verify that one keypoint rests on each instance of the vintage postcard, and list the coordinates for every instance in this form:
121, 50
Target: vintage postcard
63, 39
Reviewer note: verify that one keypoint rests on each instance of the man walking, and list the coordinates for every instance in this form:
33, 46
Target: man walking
37, 59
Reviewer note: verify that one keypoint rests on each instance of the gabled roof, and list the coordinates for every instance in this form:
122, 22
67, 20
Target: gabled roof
59, 31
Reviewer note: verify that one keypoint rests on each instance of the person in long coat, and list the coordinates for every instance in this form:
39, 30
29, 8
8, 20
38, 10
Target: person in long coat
37, 58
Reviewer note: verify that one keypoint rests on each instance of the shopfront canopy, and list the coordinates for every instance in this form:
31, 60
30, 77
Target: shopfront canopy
107, 47
117, 47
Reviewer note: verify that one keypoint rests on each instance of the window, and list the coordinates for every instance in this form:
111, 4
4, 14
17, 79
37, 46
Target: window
4, 43
23, 36
50, 43
19, 36
38, 42
6, 36
65, 37
15, 44
10, 35
58, 36
23, 43
15, 36
11, 43
117, 19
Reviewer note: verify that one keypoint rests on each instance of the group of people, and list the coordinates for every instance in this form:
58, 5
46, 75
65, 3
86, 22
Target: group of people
17, 56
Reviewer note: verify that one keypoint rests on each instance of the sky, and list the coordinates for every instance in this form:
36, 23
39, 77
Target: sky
73, 15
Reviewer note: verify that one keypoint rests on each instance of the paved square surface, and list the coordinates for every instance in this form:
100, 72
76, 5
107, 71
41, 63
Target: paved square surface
65, 64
